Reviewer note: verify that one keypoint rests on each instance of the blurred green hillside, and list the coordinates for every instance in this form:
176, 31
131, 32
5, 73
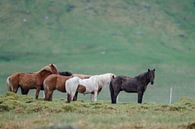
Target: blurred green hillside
125, 37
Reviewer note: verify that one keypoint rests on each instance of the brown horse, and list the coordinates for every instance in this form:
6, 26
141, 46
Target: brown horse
27, 81
54, 82
57, 82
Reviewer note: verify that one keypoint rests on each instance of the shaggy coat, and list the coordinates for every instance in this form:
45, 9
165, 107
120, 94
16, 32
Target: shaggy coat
55, 82
137, 85
92, 85
27, 81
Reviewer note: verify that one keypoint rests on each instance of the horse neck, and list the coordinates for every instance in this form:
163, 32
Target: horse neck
44, 73
143, 78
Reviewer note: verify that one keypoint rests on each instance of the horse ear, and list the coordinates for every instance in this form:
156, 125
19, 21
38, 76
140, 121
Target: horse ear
148, 70
52, 65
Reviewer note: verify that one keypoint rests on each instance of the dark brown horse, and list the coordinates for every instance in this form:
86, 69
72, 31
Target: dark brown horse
27, 81
137, 85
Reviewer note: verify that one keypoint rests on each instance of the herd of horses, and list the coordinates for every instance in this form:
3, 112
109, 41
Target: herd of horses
49, 79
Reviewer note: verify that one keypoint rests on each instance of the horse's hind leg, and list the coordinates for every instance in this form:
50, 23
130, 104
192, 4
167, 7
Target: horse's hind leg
68, 98
75, 96
37, 93
50, 94
15, 89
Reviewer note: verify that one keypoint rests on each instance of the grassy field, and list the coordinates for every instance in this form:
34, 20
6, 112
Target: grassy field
124, 37
22, 112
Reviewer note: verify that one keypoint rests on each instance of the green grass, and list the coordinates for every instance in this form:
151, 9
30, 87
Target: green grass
19, 111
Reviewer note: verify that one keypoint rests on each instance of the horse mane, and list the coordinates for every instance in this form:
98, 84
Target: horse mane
46, 68
141, 76
66, 73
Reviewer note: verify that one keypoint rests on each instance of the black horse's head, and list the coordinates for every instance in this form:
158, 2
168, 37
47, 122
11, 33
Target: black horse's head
151, 75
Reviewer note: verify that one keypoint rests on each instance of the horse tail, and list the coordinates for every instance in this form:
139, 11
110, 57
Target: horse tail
72, 86
112, 95
9, 84
45, 87
111, 90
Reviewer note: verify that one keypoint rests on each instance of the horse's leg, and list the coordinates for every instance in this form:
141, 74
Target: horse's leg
24, 91
46, 95
99, 90
92, 97
37, 92
68, 98
75, 96
114, 93
95, 96
15, 89
140, 96
50, 94
114, 98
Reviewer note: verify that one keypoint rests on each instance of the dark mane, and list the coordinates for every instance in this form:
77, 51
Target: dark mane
66, 73
142, 76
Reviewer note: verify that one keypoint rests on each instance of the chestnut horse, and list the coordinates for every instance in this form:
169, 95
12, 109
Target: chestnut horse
55, 82
92, 85
27, 81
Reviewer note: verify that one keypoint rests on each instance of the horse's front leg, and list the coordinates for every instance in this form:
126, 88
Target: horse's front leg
37, 92
92, 97
95, 96
140, 96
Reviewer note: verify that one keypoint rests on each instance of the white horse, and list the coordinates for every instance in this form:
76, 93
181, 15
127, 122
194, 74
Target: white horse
92, 85
71, 86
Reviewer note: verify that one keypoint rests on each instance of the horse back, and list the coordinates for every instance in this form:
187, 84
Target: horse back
28, 80
125, 83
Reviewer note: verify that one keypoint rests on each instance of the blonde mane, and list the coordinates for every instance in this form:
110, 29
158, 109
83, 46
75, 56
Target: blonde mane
48, 68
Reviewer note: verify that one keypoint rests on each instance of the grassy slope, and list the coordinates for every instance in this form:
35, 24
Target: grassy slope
123, 37
24, 112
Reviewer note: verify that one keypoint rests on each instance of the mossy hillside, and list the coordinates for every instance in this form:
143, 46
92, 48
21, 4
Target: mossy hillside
23, 103
18, 111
